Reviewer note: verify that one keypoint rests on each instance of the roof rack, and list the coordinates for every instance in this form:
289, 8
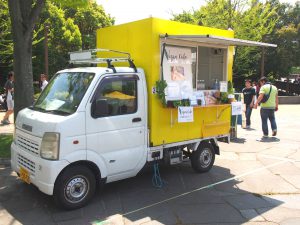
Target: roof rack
90, 57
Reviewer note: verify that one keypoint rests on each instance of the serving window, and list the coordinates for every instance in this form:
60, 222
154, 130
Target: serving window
193, 72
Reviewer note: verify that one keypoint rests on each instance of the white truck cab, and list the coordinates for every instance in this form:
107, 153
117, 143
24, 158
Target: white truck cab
89, 125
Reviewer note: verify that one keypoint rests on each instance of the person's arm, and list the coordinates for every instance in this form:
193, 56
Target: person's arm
260, 97
276, 101
253, 99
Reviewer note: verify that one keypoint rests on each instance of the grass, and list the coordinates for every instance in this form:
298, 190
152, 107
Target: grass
5, 142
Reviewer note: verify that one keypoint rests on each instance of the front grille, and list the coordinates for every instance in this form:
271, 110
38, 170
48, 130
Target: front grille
27, 145
26, 163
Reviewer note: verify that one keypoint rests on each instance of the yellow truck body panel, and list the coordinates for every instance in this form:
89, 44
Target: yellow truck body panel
142, 40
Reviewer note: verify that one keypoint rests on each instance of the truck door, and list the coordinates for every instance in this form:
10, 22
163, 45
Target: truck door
116, 124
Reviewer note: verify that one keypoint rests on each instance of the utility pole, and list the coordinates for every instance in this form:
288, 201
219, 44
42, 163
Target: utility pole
46, 50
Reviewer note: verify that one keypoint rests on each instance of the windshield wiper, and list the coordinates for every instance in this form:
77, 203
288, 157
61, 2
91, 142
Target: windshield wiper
37, 108
58, 112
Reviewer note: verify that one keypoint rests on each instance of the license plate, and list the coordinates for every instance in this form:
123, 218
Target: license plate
24, 175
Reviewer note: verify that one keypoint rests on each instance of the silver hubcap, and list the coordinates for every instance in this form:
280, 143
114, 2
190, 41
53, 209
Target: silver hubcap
76, 189
205, 158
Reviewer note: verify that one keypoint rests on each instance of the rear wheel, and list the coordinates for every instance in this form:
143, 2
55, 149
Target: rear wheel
74, 187
203, 158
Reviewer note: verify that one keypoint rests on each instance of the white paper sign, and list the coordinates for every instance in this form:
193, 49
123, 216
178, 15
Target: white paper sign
177, 64
223, 86
185, 114
173, 91
236, 108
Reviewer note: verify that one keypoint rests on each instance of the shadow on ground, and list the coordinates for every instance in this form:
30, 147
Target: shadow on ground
186, 198
269, 139
238, 140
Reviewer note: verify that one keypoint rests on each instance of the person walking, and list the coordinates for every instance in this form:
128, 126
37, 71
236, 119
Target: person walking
44, 81
249, 98
9, 88
268, 99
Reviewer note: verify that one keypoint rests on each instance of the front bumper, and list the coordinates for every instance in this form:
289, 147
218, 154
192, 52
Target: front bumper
43, 173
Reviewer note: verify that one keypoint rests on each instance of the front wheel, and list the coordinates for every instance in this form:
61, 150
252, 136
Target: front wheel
203, 158
74, 187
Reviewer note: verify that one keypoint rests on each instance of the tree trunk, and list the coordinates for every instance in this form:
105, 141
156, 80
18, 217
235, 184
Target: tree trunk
23, 14
23, 75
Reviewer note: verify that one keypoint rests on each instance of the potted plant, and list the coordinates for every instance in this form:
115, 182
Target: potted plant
160, 91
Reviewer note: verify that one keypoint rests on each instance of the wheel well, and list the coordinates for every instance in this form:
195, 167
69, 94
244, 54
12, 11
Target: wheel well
215, 146
92, 166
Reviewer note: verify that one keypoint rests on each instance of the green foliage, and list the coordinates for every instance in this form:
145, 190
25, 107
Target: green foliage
178, 103
281, 60
224, 97
71, 28
160, 91
264, 21
5, 142
186, 17
295, 70
64, 36
89, 19
230, 88
6, 45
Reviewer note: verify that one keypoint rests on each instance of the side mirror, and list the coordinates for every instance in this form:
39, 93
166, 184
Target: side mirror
100, 108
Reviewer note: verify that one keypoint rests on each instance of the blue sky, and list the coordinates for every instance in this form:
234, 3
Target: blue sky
131, 10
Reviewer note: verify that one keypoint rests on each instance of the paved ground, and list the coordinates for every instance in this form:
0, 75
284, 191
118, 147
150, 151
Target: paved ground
252, 182
7, 129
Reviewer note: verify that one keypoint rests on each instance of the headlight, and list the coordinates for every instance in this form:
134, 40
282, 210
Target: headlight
50, 146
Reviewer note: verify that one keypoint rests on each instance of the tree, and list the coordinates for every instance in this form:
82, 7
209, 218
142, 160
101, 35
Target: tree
24, 15
281, 60
6, 45
187, 17
256, 24
250, 20
63, 37
89, 19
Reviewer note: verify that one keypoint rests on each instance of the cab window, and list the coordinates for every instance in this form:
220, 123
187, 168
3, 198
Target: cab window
116, 96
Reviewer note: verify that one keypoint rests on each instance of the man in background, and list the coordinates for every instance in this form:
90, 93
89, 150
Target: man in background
249, 98
267, 108
9, 88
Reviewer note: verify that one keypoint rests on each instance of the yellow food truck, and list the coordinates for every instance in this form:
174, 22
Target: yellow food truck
106, 123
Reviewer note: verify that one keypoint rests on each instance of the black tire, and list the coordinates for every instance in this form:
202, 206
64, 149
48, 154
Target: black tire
203, 158
74, 187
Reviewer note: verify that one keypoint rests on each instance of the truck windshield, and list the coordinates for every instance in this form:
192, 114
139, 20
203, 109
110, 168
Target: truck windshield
64, 93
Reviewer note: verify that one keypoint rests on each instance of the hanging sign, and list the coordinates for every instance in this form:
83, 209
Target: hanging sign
236, 108
185, 114
177, 70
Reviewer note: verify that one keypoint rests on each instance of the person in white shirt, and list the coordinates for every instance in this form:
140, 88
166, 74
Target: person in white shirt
9, 88
44, 81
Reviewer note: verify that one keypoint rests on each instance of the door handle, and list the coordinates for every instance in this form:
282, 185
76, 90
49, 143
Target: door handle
138, 119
